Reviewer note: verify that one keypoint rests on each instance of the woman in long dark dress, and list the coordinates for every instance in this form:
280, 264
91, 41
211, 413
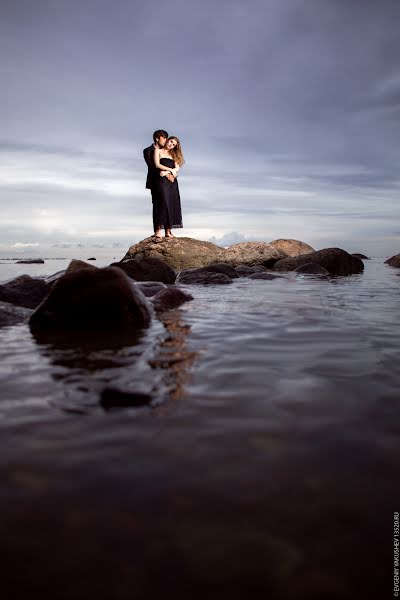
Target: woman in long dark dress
167, 211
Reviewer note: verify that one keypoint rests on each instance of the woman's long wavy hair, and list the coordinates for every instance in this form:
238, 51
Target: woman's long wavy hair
176, 152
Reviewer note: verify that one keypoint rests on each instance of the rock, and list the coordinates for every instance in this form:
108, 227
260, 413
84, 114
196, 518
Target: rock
170, 298
150, 288
221, 268
178, 253
245, 271
292, 247
10, 314
151, 268
253, 253
24, 291
103, 304
189, 276
114, 398
394, 261
334, 260
78, 265
266, 276
50, 279
30, 261
93, 258
362, 256
311, 268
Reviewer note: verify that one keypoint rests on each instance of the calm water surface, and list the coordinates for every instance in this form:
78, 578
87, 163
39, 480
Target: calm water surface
268, 459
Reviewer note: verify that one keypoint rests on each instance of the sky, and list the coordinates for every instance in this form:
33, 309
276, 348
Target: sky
288, 112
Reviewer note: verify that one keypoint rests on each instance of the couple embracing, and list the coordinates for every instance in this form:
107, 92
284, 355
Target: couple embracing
164, 159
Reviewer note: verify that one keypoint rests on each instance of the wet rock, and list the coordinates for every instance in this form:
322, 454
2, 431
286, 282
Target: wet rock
362, 256
311, 268
114, 398
30, 261
189, 276
335, 260
394, 261
78, 265
245, 271
24, 291
50, 279
253, 253
170, 298
102, 303
150, 288
151, 268
292, 247
266, 276
221, 268
178, 253
11, 315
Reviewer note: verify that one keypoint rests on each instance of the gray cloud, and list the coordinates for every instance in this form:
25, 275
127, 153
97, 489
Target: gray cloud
285, 109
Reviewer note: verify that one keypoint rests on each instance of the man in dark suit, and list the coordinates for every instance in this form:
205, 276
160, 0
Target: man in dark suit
159, 139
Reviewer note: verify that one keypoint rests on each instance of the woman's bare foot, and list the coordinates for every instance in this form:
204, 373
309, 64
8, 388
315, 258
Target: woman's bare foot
158, 234
168, 234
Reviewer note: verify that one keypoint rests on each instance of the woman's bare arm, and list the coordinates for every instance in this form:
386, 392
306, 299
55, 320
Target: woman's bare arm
158, 165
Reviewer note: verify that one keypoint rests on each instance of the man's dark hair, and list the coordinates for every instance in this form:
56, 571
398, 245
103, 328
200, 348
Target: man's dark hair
158, 133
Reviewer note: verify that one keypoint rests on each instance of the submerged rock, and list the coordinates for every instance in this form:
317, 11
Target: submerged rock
292, 247
266, 276
24, 291
335, 260
189, 276
102, 303
311, 268
245, 271
11, 315
178, 253
394, 261
170, 298
114, 398
151, 268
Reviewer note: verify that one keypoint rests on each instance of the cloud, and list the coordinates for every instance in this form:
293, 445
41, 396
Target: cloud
24, 245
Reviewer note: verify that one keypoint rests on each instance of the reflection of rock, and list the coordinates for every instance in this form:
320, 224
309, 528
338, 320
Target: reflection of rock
102, 303
253, 253
292, 247
10, 314
24, 291
334, 260
311, 268
149, 268
394, 261
30, 261
189, 276
170, 298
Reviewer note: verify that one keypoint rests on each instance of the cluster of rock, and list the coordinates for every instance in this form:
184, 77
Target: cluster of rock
115, 302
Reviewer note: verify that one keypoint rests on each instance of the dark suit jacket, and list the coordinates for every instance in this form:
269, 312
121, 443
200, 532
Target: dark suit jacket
152, 172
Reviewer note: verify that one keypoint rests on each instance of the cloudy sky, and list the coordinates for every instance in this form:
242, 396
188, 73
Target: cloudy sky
288, 112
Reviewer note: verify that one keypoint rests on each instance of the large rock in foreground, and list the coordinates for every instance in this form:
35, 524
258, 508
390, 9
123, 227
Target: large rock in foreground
292, 247
149, 268
394, 261
92, 304
178, 253
334, 260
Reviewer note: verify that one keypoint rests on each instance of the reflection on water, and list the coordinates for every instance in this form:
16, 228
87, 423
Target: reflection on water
266, 461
